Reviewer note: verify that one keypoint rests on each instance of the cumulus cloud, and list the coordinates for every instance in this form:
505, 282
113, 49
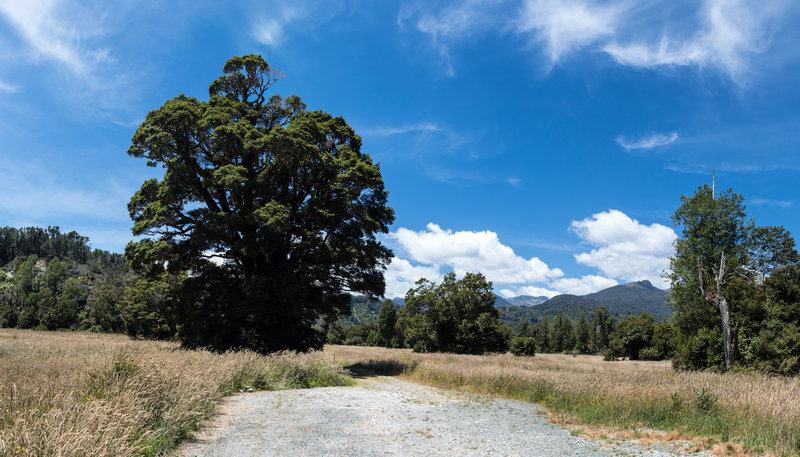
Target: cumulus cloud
649, 141
401, 275
624, 248
583, 285
467, 251
533, 291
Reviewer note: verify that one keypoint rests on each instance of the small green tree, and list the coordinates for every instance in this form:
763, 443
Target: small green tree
582, 335
523, 345
602, 325
454, 316
633, 334
387, 319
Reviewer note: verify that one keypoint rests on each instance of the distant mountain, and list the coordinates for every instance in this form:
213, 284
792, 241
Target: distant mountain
526, 300
622, 300
632, 298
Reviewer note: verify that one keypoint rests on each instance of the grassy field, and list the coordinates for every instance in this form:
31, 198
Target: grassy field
758, 411
80, 394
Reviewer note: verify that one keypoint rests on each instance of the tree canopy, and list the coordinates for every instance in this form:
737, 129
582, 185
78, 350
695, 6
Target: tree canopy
723, 261
270, 208
453, 316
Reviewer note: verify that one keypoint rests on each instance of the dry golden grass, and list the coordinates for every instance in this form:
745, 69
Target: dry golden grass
757, 410
79, 394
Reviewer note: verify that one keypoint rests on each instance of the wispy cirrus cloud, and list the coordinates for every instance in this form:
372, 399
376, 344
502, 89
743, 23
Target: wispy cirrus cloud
452, 23
724, 35
59, 32
273, 21
767, 202
649, 141
568, 25
10, 88
389, 131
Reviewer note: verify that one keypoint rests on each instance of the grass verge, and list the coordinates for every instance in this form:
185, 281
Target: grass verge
79, 394
758, 412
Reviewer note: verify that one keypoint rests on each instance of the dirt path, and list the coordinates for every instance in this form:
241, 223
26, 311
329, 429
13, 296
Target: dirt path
384, 416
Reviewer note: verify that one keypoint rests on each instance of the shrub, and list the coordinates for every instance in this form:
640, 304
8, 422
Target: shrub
649, 354
523, 346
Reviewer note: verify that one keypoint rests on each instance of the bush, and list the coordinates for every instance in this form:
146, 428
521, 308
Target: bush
649, 354
700, 351
523, 346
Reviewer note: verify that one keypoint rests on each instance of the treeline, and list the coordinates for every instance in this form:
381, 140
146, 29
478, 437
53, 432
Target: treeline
453, 316
635, 337
51, 280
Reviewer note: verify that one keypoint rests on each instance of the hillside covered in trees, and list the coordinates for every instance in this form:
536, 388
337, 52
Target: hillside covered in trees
52, 280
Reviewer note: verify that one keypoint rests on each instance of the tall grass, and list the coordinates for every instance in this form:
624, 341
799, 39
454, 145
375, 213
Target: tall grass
79, 394
759, 411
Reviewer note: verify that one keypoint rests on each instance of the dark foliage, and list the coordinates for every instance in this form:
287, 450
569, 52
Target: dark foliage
283, 199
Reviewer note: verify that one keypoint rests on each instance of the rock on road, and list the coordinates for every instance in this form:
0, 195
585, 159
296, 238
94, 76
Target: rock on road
384, 416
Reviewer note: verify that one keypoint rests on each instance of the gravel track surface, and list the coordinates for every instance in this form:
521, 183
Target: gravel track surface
384, 416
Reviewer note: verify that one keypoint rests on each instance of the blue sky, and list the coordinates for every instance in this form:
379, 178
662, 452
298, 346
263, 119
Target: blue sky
543, 143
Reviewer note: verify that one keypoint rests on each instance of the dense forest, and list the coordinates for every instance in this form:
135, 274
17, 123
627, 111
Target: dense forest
51, 280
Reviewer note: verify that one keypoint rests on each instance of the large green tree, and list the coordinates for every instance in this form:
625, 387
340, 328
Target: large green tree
271, 209
721, 259
709, 252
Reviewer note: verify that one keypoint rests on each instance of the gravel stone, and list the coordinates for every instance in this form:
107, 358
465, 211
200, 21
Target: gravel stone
384, 416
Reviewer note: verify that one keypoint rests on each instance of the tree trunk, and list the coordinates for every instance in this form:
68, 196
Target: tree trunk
719, 302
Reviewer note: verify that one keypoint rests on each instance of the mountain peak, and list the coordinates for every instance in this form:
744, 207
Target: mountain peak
644, 284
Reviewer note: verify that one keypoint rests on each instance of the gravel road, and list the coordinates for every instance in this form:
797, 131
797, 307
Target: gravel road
384, 416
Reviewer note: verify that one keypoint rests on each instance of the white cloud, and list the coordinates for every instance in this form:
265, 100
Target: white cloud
583, 285
650, 141
767, 202
466, 17
514, 181
568, 25
401, 275
731, 33
389, 131
56, 31
271, 21
468, 251
5, 87
462, 20
270, 30
624, 248
722, 34
529, 290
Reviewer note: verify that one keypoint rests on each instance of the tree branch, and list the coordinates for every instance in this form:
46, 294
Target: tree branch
704, 290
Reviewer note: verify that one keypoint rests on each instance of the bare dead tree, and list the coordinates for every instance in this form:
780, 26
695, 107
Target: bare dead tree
719, 302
